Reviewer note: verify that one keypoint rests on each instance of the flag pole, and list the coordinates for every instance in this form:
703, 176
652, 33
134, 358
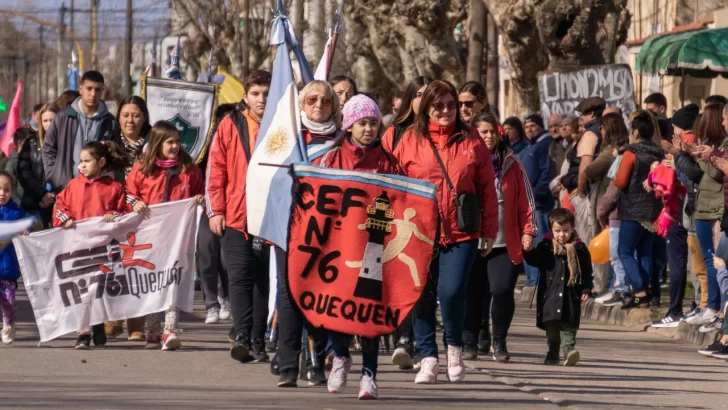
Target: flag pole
335, 36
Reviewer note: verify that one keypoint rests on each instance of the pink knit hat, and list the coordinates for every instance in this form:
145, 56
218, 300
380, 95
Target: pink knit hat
358, 107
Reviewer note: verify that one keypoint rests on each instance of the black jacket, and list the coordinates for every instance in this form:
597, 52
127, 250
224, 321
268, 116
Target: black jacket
30, 175
570, 181
687, 165
636, 204
556, 300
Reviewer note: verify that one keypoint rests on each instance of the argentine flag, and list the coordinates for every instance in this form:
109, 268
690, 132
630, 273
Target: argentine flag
279, 142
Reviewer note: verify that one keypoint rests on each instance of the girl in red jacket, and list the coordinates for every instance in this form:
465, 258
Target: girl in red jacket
448, 153
360, 149
493, 277
94, 192
166, 173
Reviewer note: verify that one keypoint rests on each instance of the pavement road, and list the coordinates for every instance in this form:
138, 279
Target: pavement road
620, 369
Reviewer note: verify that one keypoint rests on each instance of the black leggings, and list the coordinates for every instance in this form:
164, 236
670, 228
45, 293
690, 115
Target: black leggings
492, 278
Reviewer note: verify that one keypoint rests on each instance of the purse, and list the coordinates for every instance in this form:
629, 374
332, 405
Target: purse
468, 204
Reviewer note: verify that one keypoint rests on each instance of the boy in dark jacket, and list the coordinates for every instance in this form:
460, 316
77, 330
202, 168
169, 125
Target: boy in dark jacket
565, 281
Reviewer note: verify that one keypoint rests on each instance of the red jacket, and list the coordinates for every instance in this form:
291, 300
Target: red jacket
85, 198
469, 166
518, 206
227, 169
150, 189
350, 157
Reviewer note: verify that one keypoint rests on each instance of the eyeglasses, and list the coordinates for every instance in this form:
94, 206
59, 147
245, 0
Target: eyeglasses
325, 101
468, 104
440, 106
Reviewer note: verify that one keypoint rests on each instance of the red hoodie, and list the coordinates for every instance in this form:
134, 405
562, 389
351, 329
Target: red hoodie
351, 157
150, 189
518, 206
85, 198
469, 166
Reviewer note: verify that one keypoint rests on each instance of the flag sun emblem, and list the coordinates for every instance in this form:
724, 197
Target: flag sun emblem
278, 142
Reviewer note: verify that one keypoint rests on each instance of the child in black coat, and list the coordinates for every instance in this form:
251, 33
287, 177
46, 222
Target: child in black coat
565, 282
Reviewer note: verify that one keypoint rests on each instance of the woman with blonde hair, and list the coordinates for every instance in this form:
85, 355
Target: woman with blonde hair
319, 106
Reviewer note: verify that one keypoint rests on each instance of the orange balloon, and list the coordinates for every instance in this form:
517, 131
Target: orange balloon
599, 247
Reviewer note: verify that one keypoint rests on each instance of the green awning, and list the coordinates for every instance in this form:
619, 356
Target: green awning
702, 53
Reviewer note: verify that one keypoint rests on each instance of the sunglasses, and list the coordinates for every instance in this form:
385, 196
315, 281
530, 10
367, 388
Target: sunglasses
325, 101
468, 104
440, 106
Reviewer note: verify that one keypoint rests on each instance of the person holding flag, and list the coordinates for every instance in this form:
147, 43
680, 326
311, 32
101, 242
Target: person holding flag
226, 188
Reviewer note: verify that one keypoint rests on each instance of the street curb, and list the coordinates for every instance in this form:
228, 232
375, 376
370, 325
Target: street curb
638, 319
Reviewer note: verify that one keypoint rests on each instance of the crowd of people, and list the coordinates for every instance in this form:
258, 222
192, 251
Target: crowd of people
544, 189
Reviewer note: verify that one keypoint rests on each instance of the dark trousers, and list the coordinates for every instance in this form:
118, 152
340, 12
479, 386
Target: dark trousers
210, 264
291, 322
677, 258
249, 284
492, 278
560, 335
659, 264
448, 283
369, 350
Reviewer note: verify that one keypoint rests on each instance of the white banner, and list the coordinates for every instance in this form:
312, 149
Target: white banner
97, 271
189, 106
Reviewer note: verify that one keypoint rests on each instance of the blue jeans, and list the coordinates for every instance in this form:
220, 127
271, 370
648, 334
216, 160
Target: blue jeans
704, 232
542, 221
448, 282
369, 350
620, 282
634, 237
722, 252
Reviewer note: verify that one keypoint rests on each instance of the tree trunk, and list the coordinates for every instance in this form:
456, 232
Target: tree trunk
476, 41
313, 48
296, 13
492, 78
554, 35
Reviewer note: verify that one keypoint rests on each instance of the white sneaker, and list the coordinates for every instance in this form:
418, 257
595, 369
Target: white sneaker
695, 312
455, 365
428, 371
605, 297
707, 317
339, 374
213, 316
170, 341
368, 389
8, 334
225, 312
714, 326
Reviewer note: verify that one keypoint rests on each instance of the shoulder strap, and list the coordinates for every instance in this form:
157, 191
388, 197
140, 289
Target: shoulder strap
442, 165
398, 131
242, 125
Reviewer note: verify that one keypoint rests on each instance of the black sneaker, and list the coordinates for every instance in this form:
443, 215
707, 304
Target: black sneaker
638, 302
83, 342
615, 300
667, 321
316, 376
403, 356
484, 347
722, 354
258, 352
470, 352
288, 378
271, 346
500, 351
274, 366
99, 335
240, 350
716, 347
552, 358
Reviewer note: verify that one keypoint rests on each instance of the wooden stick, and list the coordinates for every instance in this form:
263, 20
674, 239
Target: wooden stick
265, 164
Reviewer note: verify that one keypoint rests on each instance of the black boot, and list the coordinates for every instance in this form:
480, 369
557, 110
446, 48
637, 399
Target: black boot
470, 352
552, 357
274, 367
500, 351
240, 350
99, 335
316, 375
258, 351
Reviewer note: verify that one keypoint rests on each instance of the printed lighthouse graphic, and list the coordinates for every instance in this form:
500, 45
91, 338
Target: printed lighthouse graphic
378, 224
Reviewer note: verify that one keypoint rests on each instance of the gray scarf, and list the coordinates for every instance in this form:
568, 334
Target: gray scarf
318, 128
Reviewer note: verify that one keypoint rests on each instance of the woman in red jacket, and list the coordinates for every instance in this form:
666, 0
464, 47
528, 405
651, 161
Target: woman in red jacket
93, 193
494, 277
166, 173
448, 153
320, 108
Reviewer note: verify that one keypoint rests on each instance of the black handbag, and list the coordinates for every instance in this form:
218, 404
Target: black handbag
468, 204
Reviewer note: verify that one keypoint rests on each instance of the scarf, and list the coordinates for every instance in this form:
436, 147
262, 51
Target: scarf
495, 159
167, 163
569, 251
318, 128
